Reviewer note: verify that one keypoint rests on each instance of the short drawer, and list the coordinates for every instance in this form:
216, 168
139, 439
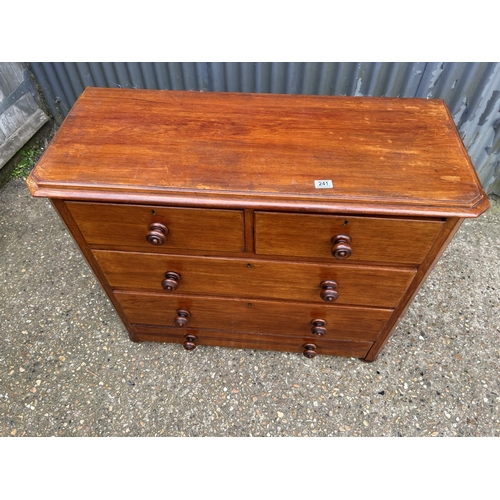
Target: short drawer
370, 239
350, 284
346, 348
257, 316
159, 229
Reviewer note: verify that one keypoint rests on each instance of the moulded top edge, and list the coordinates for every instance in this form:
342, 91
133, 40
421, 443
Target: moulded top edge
361, 207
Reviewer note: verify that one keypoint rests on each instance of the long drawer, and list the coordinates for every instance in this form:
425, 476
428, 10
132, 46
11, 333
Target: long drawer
306, 282
257, 316
350, 348
159, 229
369, 239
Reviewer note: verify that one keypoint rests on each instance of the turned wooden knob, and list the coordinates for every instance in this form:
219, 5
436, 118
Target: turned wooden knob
309, 350
190, 342
318, 327
341, 246
157, 234
171, 281
329, 291
181, 320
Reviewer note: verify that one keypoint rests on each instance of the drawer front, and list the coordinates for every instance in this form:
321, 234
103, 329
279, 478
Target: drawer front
349, 348
370, 239
257, 316
131, 226
355, 285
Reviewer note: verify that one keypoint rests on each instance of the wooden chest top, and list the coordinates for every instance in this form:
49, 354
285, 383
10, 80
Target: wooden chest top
383, 156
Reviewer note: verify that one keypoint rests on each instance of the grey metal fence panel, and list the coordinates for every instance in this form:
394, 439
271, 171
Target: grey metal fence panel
470, 90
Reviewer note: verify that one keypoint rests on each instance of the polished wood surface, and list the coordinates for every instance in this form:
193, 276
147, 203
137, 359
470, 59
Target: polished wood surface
190, 343
371, 238
451, 227
255, 316
341, 248
294, 223
349, 348
188, 228
383, 154
63, 212
361, 285
157, 234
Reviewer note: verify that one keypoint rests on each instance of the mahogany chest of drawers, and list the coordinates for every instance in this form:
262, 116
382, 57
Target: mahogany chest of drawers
282, 222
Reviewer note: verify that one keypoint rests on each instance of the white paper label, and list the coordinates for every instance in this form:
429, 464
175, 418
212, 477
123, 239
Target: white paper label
323, 184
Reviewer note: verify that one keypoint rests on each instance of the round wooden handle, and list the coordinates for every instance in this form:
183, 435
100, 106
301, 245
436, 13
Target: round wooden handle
329, 291
171, 281
309, 350
157, 234
190, 342
318, 327
181, 320
341, 246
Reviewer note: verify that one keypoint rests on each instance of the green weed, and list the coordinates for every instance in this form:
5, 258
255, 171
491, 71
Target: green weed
29, 158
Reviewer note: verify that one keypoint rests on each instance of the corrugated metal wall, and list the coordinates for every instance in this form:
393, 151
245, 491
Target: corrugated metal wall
471, 90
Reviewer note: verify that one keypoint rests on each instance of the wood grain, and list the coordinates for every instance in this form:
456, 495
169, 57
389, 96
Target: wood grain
381, 153
200, 215
349, 348
451, 227
256, 316
372, 239
188, 228
252, 278
62, 210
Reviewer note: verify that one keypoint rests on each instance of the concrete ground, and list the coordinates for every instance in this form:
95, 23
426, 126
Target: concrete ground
67, 367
